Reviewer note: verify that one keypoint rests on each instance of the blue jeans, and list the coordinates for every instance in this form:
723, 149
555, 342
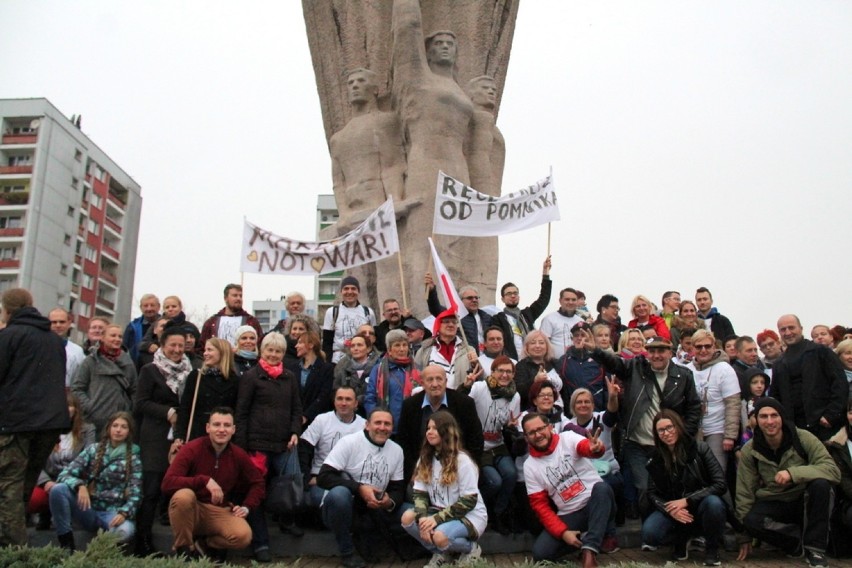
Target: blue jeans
591, 520
659, 528
616, 483
277, 464
636, 456
64, 508
454, 530
343, 513
498, 481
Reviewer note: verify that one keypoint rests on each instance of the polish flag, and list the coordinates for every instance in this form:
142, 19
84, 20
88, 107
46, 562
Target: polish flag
447, 290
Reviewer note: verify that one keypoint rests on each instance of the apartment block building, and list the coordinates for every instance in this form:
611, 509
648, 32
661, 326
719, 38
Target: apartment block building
69, 216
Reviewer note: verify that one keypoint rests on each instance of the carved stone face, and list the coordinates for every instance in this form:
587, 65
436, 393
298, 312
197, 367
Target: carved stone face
483, 93
442, 50
361, 87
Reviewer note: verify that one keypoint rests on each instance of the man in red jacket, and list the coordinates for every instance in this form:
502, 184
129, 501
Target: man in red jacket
202, 477
572, 502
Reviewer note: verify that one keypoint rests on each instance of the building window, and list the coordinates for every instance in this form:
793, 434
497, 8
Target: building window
88, 281
9, 253
85, 309
75, 183
21, 160
70, 211
67, 240
23, 130
6, 284
93, 227
91, 254
10, 223
63, 269
97, 201
78, 155
13, 188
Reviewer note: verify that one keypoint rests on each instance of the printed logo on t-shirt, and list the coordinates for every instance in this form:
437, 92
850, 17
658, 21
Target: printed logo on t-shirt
375, 472
439, 493
566, 479
497, 415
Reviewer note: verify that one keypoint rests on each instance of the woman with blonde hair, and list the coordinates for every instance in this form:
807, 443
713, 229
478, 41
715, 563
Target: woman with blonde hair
211, 386
631, 344
538, 364
449, 514
686, 318
643, 315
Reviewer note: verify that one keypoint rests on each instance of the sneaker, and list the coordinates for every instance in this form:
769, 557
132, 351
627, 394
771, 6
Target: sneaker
711, 558
698, 543
680, 550
648, 547
470, 557
263, 556
797, 552
815, 558
292, 529
440, 559
610, 544
352, 561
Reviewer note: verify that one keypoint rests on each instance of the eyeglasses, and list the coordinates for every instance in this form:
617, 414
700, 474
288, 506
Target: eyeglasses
666, 429
545, 395
511, 293
537, 431
471, 298
504, 372
616, 308
702, 347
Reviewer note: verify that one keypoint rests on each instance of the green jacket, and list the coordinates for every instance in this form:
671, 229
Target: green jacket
756, 473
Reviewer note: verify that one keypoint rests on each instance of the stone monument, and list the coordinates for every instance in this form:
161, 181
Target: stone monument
409, 63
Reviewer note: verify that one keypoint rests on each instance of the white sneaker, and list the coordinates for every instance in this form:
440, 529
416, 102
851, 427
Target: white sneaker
470, 557
439, 559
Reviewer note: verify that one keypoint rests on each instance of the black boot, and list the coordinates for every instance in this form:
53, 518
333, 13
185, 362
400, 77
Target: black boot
66, 541
43, 521
144, 546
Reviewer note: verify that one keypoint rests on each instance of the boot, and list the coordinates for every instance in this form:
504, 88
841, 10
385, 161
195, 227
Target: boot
43, 521
66, 541
589, 558
144, 546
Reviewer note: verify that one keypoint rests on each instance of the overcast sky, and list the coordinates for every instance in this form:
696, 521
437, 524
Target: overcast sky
693, 144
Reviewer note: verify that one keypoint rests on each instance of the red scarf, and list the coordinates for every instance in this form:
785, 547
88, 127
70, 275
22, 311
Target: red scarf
111, 354
411, 380
274, 371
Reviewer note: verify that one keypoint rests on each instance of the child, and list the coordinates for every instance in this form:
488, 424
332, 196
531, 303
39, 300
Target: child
684, 351
757, 381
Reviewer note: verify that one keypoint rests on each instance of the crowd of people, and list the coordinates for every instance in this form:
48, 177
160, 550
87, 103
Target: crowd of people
481, 423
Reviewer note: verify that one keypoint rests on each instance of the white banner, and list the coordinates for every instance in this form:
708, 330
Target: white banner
374, 239
461, 210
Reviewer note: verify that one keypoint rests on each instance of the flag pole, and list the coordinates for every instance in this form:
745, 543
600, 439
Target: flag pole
548, 239
401, 278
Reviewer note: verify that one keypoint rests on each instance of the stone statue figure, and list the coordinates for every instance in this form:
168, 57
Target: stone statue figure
368, 166
486, 149
437, 121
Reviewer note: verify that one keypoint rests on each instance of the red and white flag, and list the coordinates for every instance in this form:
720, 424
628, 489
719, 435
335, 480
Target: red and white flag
446, 288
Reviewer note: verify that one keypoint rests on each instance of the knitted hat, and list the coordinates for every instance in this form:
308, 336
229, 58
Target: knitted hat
244, 329
350, 281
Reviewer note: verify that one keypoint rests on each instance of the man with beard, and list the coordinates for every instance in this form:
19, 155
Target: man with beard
515, 322
559, 474
557, 325
225, 323
394, 318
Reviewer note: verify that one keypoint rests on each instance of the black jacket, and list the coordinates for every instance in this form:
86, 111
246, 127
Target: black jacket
700, 477
316, 394
468, 322
412, 429
269, 411
153, 400
530, 314
525, 372
824, 386
32, 375
679, 392
213, 390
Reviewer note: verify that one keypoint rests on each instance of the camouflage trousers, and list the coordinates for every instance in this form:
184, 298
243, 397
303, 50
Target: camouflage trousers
22, 457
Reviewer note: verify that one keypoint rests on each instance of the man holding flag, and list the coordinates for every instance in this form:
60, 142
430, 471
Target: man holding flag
516, 323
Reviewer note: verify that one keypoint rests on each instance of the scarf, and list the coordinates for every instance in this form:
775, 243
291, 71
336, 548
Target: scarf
175, 373
497, 391
248, 355
274, 371
710, 314
522, 322
107, 353
848, 375
411, 377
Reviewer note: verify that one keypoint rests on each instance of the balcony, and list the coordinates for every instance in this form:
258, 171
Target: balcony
16, 169
19, 232
10, 263
20, 138
112, 225
110, 251
78, 260
114, 199
106, 303
15, 198
111, 278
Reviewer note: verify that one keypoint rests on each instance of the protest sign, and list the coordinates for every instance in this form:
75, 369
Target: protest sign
461, 210
266, 253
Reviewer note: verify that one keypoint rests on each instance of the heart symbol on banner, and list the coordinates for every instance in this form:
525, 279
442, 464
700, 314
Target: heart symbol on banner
317, 263
252, 256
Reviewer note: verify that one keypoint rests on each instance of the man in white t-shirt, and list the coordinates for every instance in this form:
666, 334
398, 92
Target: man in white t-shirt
363, 477
559, 473
494, 347
342, 321
323, 434
557, 325
60, 323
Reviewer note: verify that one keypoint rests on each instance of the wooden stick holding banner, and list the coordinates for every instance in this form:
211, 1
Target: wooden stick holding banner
548, 239
402, 278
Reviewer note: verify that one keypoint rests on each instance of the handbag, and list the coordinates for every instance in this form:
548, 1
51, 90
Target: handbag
285, 493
